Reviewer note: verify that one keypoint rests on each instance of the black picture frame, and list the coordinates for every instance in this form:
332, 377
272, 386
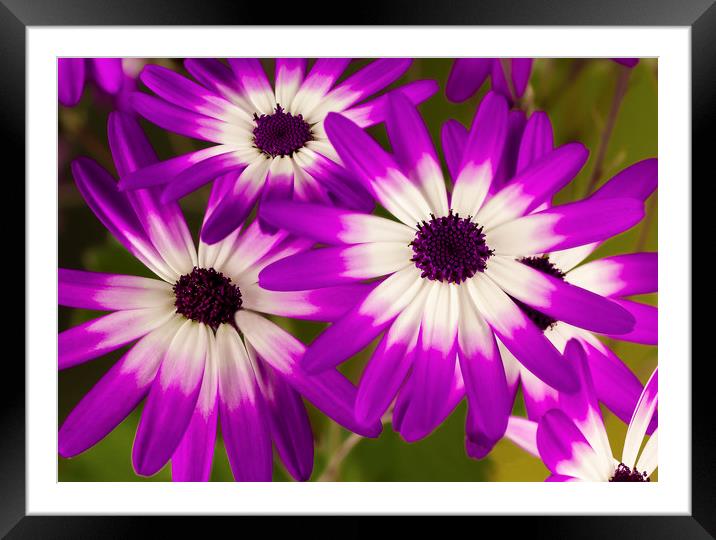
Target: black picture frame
700, 15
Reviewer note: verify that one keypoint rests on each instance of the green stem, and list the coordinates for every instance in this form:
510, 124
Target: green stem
619, 93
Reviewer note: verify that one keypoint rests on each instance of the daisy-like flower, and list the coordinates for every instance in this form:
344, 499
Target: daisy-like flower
468, 74
73, 72
449, 270
201, 349
269, 141
613, 277
572, 442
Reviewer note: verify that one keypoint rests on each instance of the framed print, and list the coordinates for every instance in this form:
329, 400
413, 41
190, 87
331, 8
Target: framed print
408, 266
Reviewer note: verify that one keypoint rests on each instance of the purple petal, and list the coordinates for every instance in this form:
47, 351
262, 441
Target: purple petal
433, 371
323, 74
640, 420
646, 326
335, 266
289, 77
200, 173
330, 225
191, 461
108, 74
628, 62
523, 433
327, 304
236, 204
565, 450
214, 75
453, 137
255, 84
482, 155
537, 140
636, 181
414, 152
521, 71
565, 226
466, 77
115, 395
105, 334
506, 170
171, 400
177, 119
163, 223
559, 299
115, 212
165, 171
368, 80
362, 324
521, 336
70, 80
620, 275
376, 110
377, 170
290, 426
488, 395
109, 292
243, 412
533, 186
184, 93
329, 391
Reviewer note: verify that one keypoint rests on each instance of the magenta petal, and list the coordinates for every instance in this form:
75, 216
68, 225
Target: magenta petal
466, 77
537, 140
70, 80
172, 399
108, 74
646, 327
290, 426
638, 181
114, 396
199, 174
453, 136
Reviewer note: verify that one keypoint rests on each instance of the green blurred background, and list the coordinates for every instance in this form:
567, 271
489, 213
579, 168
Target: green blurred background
577, 94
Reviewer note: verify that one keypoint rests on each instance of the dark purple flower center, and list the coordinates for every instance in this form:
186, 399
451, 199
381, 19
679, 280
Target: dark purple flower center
280, 133
207, 296
450, 248
625, 474
544, 265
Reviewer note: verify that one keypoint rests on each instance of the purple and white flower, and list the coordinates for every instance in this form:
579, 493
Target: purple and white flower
509, 77
572, 442
201, 351
613, 277
451, 282
269, 142
73, 72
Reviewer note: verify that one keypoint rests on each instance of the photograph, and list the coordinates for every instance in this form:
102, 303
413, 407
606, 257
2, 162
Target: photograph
368, 269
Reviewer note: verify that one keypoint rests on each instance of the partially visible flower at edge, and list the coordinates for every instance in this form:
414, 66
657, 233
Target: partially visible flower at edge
201, 350
269, 142
614, 277
572, 441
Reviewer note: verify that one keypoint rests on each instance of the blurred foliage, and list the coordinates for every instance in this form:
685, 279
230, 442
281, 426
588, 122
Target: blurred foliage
576, 93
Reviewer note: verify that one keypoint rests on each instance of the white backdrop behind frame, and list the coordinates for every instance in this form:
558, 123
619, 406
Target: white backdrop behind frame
670, 495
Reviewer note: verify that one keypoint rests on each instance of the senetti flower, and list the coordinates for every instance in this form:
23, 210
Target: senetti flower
201, 350
509, 77
572, 442
613, 277
73, 72
269, 141
449, 280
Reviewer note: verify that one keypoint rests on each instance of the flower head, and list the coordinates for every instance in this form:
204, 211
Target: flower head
571, 439
201, 352
448, 269
269, 141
